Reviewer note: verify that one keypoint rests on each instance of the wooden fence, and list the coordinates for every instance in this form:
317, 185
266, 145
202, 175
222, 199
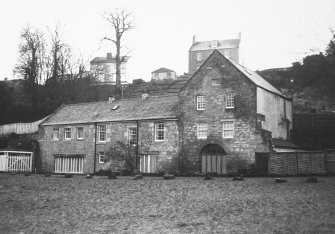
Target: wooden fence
20, 128
16, 161
296, 163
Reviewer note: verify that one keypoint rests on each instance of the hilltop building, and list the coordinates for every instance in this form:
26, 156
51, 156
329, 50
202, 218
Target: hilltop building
104, 68
200, 51
163, 73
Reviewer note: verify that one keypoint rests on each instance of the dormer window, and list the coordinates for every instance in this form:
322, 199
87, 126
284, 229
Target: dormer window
214, 44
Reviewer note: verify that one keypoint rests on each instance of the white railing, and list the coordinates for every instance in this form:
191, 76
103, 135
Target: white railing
16, 161
20, 128
69, 165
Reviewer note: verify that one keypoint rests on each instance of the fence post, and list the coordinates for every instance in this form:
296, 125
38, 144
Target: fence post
297, 161
325, 160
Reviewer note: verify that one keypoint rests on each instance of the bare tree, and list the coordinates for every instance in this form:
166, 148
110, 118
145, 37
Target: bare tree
120, 22
31, 61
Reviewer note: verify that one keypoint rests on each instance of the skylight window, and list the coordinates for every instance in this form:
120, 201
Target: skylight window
115, 107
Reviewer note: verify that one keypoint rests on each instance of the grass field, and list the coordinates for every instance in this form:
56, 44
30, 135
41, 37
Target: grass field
35, 204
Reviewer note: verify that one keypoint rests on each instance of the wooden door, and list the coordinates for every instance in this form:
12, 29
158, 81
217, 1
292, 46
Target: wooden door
213, 159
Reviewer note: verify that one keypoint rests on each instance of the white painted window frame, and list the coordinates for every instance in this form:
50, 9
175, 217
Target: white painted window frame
202, 130
66, 132
201, 105
102, 157
230, 101
82, 132
55, 130
226, 128
131, 134
100, 131
199, 56
159, 129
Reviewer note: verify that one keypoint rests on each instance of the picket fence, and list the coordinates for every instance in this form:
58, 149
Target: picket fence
16, 161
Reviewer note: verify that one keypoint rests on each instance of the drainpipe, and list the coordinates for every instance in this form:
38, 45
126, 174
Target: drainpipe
137, 145
286, 122
95, 147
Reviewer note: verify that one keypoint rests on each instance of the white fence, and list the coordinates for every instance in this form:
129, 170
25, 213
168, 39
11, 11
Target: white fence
20, 128
16, 161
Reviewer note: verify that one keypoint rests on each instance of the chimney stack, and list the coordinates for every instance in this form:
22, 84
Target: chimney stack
193, 40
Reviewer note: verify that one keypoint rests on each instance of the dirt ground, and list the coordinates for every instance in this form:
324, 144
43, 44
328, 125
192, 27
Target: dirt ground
36, 204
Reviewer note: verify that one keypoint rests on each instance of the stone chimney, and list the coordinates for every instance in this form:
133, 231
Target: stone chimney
109, 56
193, 42
240, 35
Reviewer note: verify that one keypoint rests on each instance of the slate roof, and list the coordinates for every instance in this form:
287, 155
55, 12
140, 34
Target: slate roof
222, 44
162, 70
280, 143
257, 79
162, 107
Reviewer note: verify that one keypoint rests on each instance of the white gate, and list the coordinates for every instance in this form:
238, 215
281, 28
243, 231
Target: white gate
16, 161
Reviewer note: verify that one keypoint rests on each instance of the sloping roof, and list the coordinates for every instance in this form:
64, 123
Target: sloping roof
106, 59
280, 143
257, 79
222, 44
162, 70
162, 107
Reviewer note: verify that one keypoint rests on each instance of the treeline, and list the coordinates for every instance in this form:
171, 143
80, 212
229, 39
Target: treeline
315, 71
52, 75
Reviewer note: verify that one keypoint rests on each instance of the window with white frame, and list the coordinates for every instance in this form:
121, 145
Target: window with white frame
199, 56
230, 100
80, 133
159, 132
228, 129
55, 134
132, 135
101, 157
102, 134
202, 131
200, 103
67, 133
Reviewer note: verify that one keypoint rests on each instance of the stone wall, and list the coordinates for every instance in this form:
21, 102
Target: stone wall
167, 151
247, 138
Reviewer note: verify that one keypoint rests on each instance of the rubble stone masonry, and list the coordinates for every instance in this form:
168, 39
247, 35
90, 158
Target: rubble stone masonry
247, 137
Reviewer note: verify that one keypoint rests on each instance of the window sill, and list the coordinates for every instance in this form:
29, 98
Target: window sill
159, 141
55, 140
80, 139
67, 139
230, 107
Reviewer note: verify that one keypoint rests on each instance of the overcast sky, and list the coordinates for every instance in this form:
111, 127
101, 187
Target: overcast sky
274, 33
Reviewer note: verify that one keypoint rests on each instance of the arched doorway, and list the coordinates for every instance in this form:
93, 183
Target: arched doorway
213, 159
